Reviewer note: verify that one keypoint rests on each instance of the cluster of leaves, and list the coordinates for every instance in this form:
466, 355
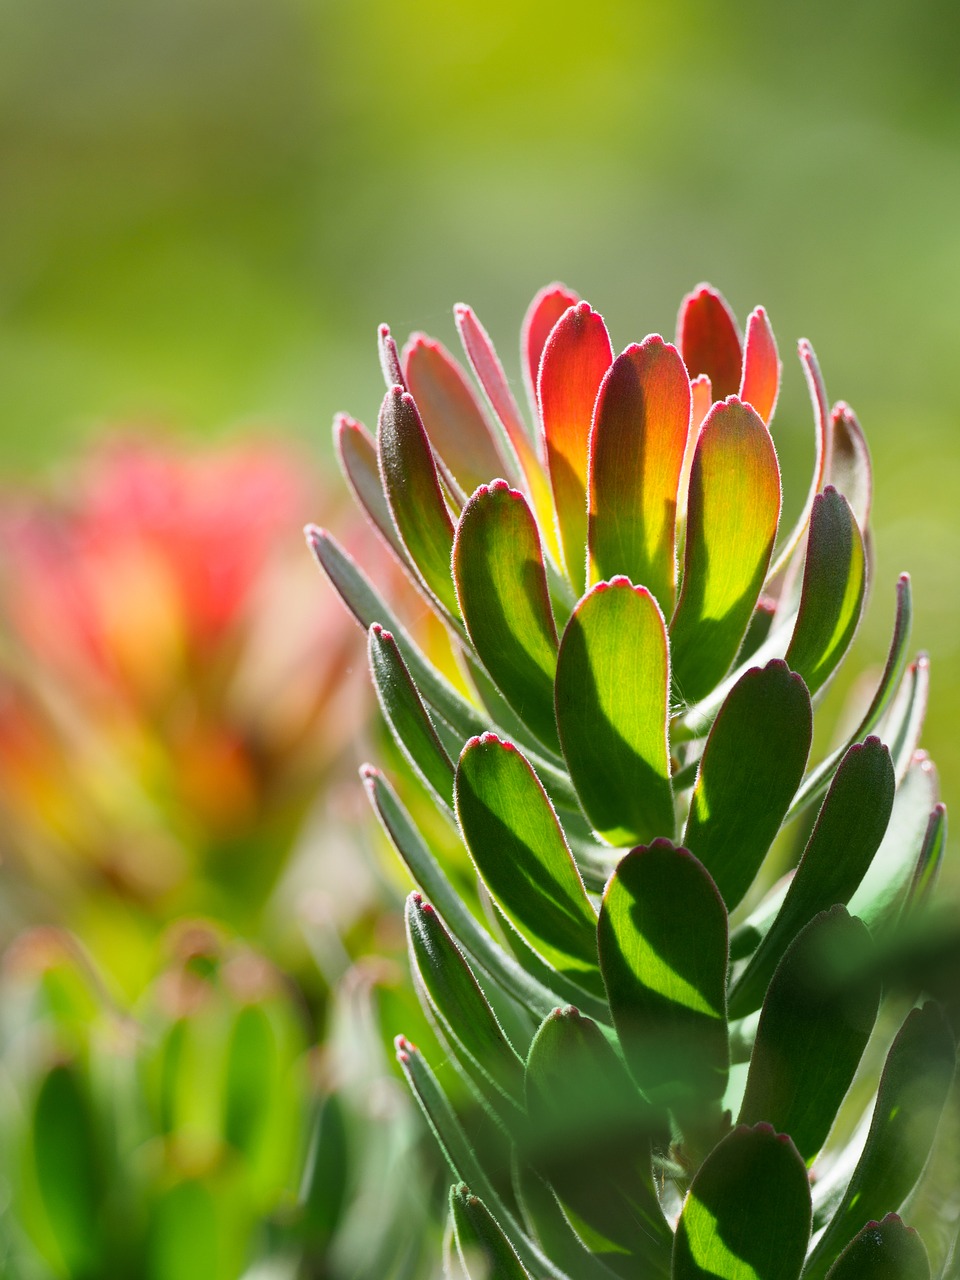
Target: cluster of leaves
676, 1052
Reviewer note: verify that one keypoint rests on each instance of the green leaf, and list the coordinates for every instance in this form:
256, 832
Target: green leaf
850, 471
611, 704
884, 1250
431, 878
903, 723
751, 767
818, 779
732, 514
542, 1211
575, 357
458, 1000
417, 504
503, 594
518, 847
485, 1251
816, 1019
249, 1077
368, 607
663, 953
406, 715
357, 452
590, 1134
186, 1235
914, 1086
747, 1213
636, 451
848, 832
831, 600
326, 1176
895, 862
70, 1176
928, 863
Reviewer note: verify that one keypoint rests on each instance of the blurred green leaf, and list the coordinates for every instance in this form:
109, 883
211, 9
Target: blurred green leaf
637, 446
848, 832
503, 594
834, 584
913, 1088
816, 1020
611, 698
885, 1250
325, 1182
747, 1213
667, 984
732, 514
590, 1136
519, 849
751, 767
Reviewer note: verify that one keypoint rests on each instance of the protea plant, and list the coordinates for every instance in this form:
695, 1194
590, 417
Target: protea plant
686, 1057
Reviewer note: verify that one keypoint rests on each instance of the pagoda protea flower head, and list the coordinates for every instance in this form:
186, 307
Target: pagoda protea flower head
169, 694
621, 742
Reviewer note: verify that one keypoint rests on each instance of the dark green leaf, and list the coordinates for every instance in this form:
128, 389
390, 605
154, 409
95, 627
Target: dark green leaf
502, 588
816, 1019
663, 954
752, 765
458, 1001
324, 1187
884, 1250
849, 828
590, 1136
747, 1214
834, 582
484, 1250
518, 846
913, 1089
732, 514
611, 704
407, 716
542, 1211
412, 486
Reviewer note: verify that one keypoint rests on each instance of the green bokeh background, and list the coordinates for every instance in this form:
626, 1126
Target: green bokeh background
208, 205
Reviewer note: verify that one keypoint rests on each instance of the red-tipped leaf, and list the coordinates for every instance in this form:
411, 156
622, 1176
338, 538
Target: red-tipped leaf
542, 314
709, 341
760, 383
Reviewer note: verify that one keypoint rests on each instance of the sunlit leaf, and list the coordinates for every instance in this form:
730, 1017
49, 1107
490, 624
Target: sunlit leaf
611, 706
760, 383
913, 1089
518, 846
848, 832
733, 509
751, 767
505, 602
834, 584
413, 491
667, 984
357, 452
576, 356
709, 341
542, 314
484, 1250
636, 451
816, 1019
747, 1213
451, 414
850, 471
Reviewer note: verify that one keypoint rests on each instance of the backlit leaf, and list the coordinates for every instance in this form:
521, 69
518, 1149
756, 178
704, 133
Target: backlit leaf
611, 707
733, 509
747, 1213
760, 383
666, 982
817, 1016
502, 589
542, 314
834, 583
913, 1089
848, 832
751, 767
636, 451
357, 452
575, 358
451, 414
484, 1250
850, 471
413, 491
708, 340
517, 844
